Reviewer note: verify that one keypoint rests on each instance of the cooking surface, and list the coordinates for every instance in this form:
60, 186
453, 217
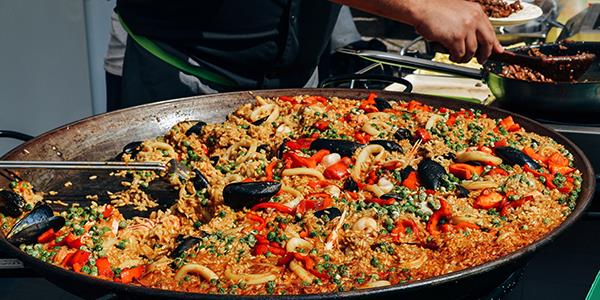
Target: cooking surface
565, 269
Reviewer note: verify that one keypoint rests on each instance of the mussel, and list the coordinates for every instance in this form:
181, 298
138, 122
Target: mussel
132, 149
388, 145
430, 174
513, 156
247, 194
214, 160
343, 147
462, 192
260, 121
32, 225
185, 243
281, 148
350, 185
403, 134
265, 148
200, 182
11, 203
331, 213
406, 171
382, 104
197, 128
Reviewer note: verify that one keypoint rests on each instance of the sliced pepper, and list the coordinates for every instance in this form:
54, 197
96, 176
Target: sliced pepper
298, 161
423, 135
531, 153
269, 170
380, 201
318, 157
401, 226
314, 201
107, 211
441, 214
362, 137
488, 199
509, 124
309, 265
46, 237
411, 181
514, 204
339, 170
103, 266
128, 275
497, 171
299, 144
258, 219
464, 171
321, 125
368, 105
73, 241
288, 99
547, 177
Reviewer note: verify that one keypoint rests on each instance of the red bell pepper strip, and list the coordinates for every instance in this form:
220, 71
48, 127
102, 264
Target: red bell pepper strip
285, 259
548, 177
103, 266
276, 206
78, 260
381, 202
362, 137
47, 236
531, 153
451, 120
509, 124
299, 144
269, 170
423, 135
312, 100
368, 105
401, 226
488, 199
411, 181
372, 177
299, 161
497, 171
321, 125
443, 213
288, 99
464, 171
317, 157
324, 201
502, 143
128, 275
309, 265
67, 259
514, 204
258, 219
318, 183
339, 170
107, 211
73, 241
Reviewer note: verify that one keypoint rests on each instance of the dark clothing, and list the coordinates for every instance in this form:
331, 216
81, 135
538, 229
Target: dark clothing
256, 44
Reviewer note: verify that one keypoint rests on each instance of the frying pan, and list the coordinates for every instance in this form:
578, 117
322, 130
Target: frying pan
582, 96
102, 137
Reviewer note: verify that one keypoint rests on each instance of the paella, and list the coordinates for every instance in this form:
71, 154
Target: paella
306, 194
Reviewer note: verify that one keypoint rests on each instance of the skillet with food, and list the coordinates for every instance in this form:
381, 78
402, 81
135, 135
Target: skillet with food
530, 95
102, 137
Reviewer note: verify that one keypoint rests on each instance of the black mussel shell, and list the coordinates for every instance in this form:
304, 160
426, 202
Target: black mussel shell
132, 149
430, 174
214, 160
343, 147
406, 171
462, 192
264, 148
281, 148
247, 194
382, 104
350, 185
403, 134
36, 222
512, 156
388, 145
11, 203
331, 213
200, 182
449, 155
398, 197
197, 128
185, 243
260, 121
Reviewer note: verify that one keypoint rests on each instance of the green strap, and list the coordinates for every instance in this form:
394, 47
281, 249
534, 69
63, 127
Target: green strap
175, 61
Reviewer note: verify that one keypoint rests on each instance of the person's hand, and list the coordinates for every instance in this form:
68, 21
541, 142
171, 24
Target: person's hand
460, 26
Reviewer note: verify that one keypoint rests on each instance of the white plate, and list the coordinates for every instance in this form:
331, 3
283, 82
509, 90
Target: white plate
529, 12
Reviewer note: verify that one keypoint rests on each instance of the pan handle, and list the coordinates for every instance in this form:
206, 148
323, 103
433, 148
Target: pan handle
15, 135
335, 81
417, 63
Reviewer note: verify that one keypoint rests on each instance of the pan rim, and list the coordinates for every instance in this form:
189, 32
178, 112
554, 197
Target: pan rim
583, 202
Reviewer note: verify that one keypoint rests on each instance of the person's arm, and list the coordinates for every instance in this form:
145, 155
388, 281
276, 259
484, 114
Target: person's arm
460, 26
